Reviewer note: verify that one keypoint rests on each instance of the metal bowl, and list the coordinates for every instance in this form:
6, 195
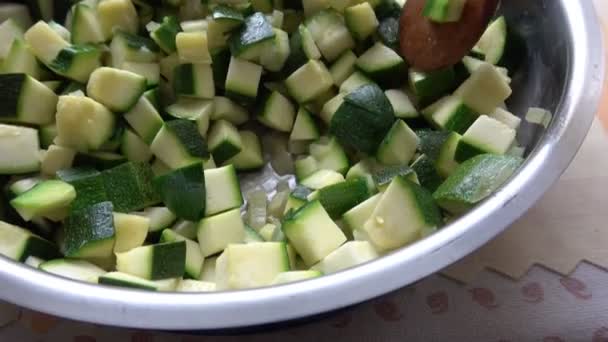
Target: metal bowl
563, 73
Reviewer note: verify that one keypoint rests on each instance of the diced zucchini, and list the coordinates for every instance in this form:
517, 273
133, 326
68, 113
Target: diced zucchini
305, 166
361, 20
98, 160
474, 180
293, 276
250, 157
127, 280
228, 15
343, 67
10, 31
450, 114
431, 86
193, 109
76, 62
189, 285
403, 211
275, 56
118, 90
486, 135
226, 109
20, 59
83, 123
56, 158
178, 143
383, 176
19, 150
312, 233
144, 119
329, 155
311, 7
330, 34
309, 47
426, 172
251, 236
248, 42
73, 269
354, 81
134, 148
363, 119
223, 190
44, 198
340, 197
398, 146
304, 127
484, 90
18, 13
348, 255
317, 78
243, 80
192, 47
500, 45
356, 217
401, 103
363, 169
444, 11
195, 80
89, 232
129, 187
26, 100
194, 256
44, 42
149, 71
164, 34
471, 64
153, 262
19, 244
277, 112
85, 26
126, 47
224, 141
330, 107
117, 14
208, 272
322, 178
130, 231
185, 228
446, 163
215, 233
506, 118
160, 218
183, 191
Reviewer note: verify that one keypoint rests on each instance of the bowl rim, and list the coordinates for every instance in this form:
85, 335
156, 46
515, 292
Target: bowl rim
28, 287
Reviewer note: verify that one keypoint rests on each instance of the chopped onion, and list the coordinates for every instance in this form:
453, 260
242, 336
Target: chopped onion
539, 116
256, 209
276, 207
277, 234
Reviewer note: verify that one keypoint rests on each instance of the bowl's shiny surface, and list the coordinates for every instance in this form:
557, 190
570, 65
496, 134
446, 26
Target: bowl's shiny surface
564, 74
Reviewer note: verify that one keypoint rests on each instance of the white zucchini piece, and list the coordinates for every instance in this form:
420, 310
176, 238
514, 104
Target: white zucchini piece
19, 150
83, 123
189, 285
404, 210
144, 119
197, 110
304, 127
26, 100
118, 90
330, 107
293, 276
224, 141
506, 118
179, 144
381, 63
154, 262
251, 265
486, 135
45, 42
73, 269
361, 20
18, 244
33, 261
330, 33
194, 256
312, 233
10, 30
356, 217
277, 112
127, 280
223, 190
150, 71
348, 255
192, 47
243, 79
126, 47
160, 218
56, 158
208, 272
322, 178
398, 146
329, 155
134, 148
130, 230
250, 157
343, 67
20, 59
226, 109
195, 80
274, 57
308, 43
402, 105
117, 14
85, 26
16, 12
317, 78
484, 90
446, 163
215, 233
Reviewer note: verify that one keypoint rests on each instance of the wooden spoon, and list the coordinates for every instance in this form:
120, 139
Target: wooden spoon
429, 46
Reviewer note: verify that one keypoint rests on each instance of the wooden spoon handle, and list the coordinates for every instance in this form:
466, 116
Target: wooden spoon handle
428, 46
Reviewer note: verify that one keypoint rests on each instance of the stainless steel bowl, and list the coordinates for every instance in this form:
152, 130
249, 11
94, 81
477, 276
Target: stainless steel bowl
564, 73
